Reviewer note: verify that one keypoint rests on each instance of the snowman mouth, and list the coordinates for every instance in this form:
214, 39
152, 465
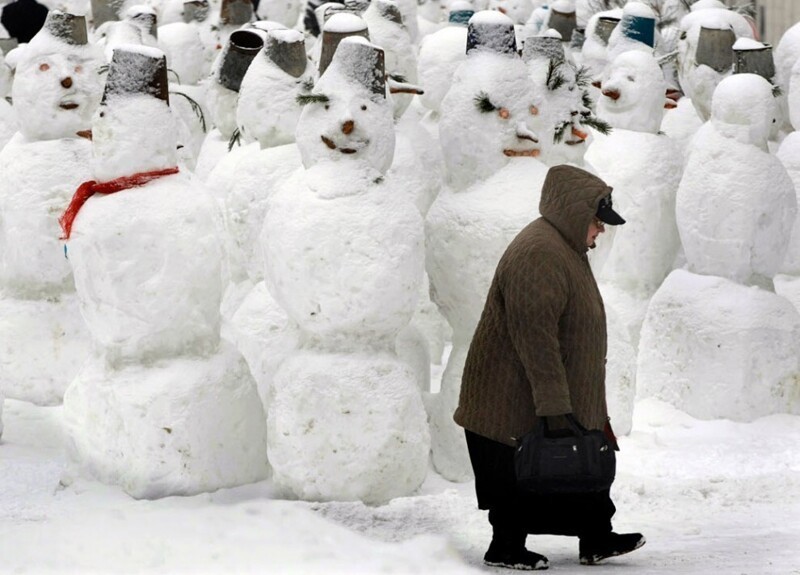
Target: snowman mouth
332, 145
511, 153
574, 142
68, 105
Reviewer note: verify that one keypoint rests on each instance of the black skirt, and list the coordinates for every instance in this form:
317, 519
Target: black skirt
509, 508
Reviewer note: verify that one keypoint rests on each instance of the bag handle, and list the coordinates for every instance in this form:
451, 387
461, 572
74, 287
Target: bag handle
577, 429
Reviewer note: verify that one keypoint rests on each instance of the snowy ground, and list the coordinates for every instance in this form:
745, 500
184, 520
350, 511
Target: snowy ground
711, 497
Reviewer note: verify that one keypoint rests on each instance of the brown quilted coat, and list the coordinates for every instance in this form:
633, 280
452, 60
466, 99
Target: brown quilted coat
540, 346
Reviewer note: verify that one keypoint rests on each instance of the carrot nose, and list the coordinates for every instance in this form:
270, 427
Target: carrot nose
67, 82
613, 94
579, 133
348, 126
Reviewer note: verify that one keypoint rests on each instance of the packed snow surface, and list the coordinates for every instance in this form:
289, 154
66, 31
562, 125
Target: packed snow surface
711, 497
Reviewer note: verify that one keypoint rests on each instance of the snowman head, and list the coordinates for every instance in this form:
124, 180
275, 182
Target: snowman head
347, 117
56, 85
633, 93
744, 108
565, 105
133, 129
267, 110
489, 114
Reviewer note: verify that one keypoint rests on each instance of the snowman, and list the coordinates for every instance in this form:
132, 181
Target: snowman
267, 112
43, 340
594, 52
644, 168
222, 93
489, 147
705, 55
736, 356
163, 406
787, 283
344, 258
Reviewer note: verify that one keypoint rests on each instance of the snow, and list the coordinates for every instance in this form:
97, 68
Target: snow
748, 44
695, 324
344, 23
489, 18
439, 56
711, 497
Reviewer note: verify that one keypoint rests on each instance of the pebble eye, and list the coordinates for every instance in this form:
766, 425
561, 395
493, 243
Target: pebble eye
534, 111
327, 107
44, 67
78, 69
504, 113
363, 107
102, 114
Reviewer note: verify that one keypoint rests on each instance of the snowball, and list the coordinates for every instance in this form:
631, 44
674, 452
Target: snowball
564, 6
146, 295
177, 427
328, 407
716, 349
633, 89
133, 133
43, 344
645, 171
287, 36
748, 44
332, 261
349, 84
490, 18
185, 53
345, 23
638, 9
474, 142
439, 56
789, 155
46, 109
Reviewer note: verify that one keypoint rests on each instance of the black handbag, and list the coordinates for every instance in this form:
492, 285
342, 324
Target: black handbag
579, 462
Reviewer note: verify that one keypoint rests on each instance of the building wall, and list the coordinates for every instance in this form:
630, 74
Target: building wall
774, 17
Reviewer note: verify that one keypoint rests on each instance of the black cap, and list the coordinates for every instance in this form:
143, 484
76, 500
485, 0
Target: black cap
606, 214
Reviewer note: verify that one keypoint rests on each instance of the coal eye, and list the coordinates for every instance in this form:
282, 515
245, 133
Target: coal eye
363, 106
44, 67
630, 79
102, 114
327, 107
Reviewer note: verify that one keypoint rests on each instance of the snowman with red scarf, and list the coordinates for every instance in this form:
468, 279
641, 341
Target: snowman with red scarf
163, 406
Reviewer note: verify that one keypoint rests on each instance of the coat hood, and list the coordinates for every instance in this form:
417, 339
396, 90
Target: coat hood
569, 201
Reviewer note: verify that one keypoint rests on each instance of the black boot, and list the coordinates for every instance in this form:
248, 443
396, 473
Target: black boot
509, 552
594, 549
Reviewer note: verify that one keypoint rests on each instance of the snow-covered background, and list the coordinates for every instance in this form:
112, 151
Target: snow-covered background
218, 342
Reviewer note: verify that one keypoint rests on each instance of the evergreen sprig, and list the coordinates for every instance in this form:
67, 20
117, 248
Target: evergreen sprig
600, 125
304, 99
399, 78
582, 78
196, 108
236, 138
307, 85
560, 130
555, 79
483, 103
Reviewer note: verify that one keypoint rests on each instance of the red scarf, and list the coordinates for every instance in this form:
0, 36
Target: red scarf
87, 189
